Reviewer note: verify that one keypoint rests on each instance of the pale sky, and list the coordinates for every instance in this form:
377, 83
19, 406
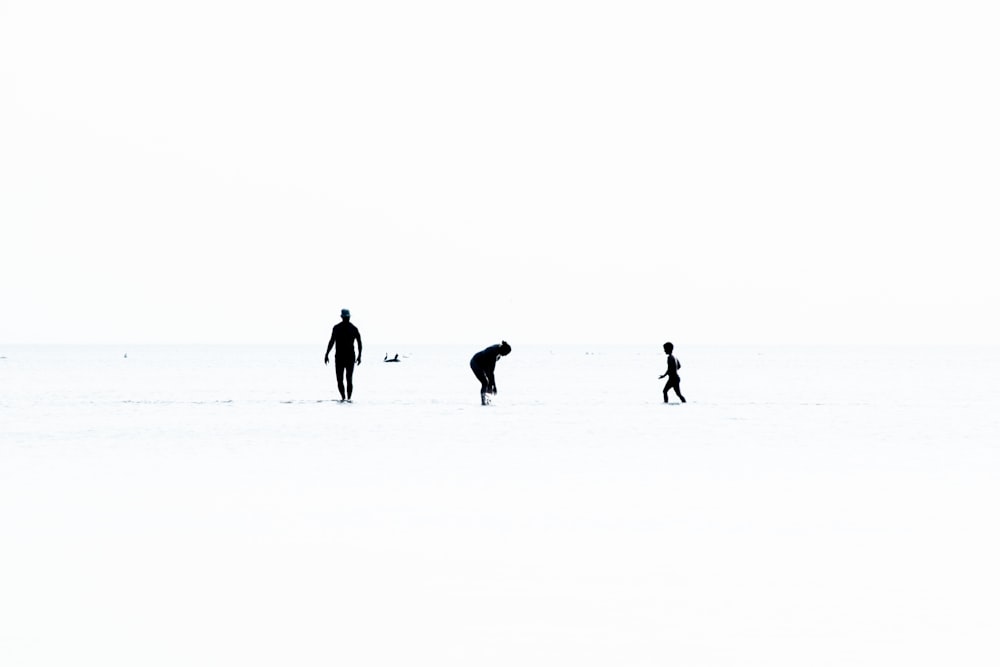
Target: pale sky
704, 172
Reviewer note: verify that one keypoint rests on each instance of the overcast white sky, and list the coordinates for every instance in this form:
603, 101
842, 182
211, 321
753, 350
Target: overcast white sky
223, 171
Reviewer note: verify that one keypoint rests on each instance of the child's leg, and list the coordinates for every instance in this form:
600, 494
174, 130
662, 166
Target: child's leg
674, 384
677, 390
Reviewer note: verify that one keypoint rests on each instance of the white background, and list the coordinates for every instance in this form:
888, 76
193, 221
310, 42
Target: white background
221, 171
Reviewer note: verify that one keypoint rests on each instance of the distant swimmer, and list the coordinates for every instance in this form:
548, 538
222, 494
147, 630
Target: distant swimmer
388, 360
343, 336
673, 379
483, 364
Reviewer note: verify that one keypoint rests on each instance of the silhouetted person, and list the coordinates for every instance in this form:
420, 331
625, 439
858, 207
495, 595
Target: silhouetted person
673, 379
388, 360
343, 336
483, 364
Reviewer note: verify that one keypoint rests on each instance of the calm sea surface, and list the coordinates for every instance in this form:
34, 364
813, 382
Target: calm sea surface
204, 505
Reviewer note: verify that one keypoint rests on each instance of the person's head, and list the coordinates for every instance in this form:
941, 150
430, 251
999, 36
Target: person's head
345, 314
504, 348
668, 348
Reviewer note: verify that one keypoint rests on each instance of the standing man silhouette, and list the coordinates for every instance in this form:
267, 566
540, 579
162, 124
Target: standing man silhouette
673, 379
343, 336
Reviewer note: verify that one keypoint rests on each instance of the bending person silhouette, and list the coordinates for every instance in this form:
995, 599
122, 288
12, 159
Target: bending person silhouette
343, 336
483, 363
673, 379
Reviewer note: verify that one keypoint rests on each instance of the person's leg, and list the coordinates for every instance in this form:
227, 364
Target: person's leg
340, 366
481, 376
677, 390
483, 381
675, 384
350, 377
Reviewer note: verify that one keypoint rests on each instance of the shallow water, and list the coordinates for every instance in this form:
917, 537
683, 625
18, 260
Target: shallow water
207, 505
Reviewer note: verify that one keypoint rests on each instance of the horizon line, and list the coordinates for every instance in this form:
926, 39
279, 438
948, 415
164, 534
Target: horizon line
532, 343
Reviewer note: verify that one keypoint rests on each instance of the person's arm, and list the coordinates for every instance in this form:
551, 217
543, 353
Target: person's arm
329, 346
491, 379
357, 336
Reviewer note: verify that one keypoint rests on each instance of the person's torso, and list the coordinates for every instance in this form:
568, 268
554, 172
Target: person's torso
344, 335
672, 365
487, 359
